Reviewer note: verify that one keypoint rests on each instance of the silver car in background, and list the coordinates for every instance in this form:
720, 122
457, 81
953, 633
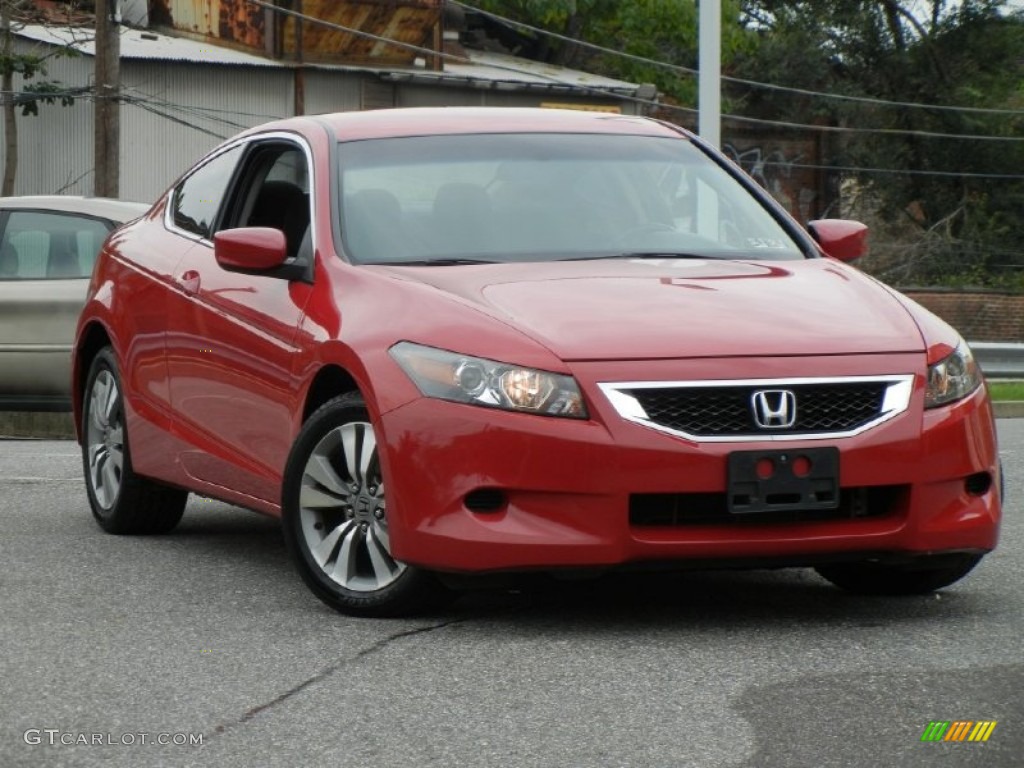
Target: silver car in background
48, 245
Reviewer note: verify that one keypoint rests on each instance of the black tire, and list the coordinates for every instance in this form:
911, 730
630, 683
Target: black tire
927, 574
122, 502
335, 519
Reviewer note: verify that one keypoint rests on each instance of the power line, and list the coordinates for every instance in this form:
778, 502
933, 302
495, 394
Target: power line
153, 105
341, 28
626, 97
175, 119
742, 81
198, 111
203, 113
876, 131
633, 99
896, 171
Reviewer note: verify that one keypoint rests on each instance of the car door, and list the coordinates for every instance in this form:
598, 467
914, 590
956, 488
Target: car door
46, 258
232, 348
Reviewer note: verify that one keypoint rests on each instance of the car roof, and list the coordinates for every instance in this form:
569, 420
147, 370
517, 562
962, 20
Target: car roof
115, 210
429, 121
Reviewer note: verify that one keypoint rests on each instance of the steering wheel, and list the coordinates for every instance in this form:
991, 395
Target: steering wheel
648, 228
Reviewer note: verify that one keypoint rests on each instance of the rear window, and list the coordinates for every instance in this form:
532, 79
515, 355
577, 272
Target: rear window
38, 245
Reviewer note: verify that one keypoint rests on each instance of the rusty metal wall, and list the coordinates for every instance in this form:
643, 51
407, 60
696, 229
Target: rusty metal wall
240, 22
409, 22
198, 16
236, 21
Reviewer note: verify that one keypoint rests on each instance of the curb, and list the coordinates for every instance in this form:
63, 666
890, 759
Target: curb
1009, 409
42, 425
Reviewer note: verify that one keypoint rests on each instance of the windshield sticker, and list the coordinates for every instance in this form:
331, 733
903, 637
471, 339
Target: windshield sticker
765, 242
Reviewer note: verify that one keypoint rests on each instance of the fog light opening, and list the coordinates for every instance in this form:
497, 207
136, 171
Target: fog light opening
978, 484
485, 500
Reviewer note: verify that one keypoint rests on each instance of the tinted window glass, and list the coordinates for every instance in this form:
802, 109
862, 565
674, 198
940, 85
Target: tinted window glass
543, 197
38, 246
281, 199
290, 166
198, 198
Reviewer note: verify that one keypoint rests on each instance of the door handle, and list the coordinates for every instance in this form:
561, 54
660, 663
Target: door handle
189, 282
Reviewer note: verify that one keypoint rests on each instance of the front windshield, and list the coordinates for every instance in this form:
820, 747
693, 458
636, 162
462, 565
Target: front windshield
546, 197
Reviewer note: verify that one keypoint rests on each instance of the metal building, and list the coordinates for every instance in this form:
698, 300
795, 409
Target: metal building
182, 93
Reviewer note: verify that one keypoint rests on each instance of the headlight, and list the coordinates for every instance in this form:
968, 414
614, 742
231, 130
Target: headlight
475, 380
952, 378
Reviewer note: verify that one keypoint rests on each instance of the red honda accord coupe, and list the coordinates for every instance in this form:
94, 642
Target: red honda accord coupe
458, 341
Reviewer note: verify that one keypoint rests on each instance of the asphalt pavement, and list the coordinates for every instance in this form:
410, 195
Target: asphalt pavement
112, 646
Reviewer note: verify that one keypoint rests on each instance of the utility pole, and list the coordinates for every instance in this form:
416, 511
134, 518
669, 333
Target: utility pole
10, 115
299, 107
107, 125
709, 79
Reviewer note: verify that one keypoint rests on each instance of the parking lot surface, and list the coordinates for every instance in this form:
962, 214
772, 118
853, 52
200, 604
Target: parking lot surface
125, 651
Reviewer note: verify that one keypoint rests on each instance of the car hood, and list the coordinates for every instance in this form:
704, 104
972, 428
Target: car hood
671, 308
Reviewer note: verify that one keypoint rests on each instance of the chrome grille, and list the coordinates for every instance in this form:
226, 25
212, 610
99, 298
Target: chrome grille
725, 410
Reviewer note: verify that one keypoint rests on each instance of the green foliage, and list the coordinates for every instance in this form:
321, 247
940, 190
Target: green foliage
50, 92
659, 30
30, 66
575, 19
965, 226
1006, 390
550, 14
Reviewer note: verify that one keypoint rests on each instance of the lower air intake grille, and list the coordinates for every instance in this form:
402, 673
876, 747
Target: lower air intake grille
669, 510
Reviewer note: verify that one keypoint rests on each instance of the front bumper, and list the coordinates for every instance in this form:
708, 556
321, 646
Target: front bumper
473, 490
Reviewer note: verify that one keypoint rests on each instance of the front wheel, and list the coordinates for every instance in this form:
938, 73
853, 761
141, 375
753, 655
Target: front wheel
335, 517
925, 575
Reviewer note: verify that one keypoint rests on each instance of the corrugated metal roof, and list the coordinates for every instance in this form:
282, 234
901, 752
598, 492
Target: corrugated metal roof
483, 69
144, 44
499, 68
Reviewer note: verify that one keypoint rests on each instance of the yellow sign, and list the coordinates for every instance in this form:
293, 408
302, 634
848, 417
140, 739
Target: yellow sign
583, 107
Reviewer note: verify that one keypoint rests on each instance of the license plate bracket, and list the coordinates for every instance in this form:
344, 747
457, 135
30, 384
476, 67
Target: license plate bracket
782, 480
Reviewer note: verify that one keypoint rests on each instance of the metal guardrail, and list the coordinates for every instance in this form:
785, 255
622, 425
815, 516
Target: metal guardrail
999, 360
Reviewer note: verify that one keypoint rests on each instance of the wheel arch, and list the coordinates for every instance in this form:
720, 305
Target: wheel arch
91, 340
329, 382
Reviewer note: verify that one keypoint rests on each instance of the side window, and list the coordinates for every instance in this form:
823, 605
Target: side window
40, 246
198, 198
274, 192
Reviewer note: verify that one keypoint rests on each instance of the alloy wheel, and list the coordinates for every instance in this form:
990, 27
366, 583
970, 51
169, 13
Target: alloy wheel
105, 439
342, 510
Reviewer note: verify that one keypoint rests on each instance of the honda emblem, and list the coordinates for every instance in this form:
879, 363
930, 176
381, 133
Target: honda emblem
774, 408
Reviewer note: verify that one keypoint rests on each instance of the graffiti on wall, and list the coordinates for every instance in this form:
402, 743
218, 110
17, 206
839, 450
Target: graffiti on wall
241, 22
784, 176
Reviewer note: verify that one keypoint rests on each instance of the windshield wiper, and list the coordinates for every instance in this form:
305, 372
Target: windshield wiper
644, 255
435, 262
